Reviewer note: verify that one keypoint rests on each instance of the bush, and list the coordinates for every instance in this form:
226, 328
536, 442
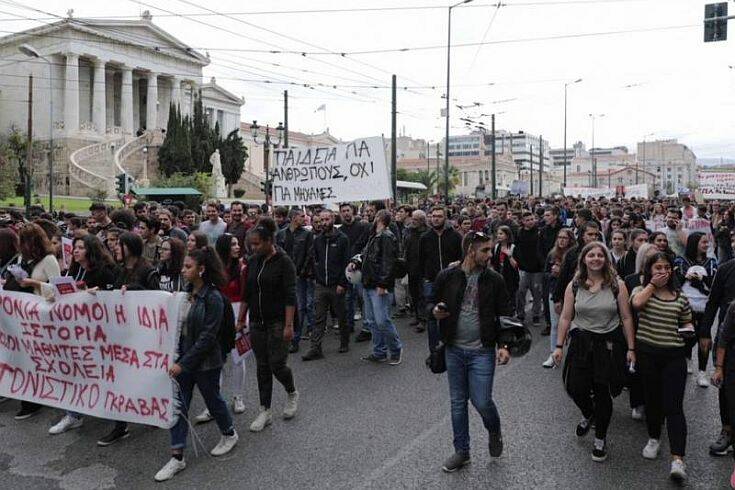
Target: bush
199, 181
238, 193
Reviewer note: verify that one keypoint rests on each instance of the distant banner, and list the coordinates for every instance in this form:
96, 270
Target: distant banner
717, 185
105, 355
585, 192
355, 171
638, 191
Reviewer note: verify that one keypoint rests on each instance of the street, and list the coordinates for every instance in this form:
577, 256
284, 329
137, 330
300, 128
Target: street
372, 426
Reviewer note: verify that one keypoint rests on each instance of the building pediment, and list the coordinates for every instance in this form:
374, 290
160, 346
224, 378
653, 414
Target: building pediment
213, 91
138, 33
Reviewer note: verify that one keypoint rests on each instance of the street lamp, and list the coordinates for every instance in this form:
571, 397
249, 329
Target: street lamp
592, 149
32, 52
565, 127
254, 129
446, 115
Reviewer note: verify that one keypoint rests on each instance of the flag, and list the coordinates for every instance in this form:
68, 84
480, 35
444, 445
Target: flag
322, 107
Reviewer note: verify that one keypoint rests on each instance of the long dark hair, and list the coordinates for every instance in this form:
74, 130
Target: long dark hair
34, 243
213, 273
224, 250
691, 253
200, 239
178, 252
134, 244
97, 254
8, 245
648, 274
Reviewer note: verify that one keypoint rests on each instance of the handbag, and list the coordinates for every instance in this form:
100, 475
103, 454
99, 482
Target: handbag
437, 362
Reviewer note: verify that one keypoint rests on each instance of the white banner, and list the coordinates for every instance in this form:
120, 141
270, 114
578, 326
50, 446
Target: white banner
717, 185
105, 355
355, 171
585, 192
637, 190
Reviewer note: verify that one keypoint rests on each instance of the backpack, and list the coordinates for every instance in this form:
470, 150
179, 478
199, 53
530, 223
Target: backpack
227, 327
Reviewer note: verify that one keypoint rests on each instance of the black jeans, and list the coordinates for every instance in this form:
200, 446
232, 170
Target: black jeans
271, 354
326, 299
727, 398
664, 379
416, 290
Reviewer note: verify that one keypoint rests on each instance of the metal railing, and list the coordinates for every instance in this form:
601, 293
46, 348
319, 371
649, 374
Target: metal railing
129, 148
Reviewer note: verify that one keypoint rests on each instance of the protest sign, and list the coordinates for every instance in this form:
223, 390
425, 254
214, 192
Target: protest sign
717, 185
67, 249
355, 171
585, 192
637, 190
105, 355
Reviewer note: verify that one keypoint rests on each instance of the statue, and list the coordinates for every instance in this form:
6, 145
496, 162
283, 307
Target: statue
219, 188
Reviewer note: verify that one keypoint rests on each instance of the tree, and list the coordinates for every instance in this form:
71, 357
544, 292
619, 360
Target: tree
453, 178
426, 177
175, 152
13, 160
204, 140
233, 154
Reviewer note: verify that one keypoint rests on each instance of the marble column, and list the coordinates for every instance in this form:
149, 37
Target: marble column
126, 105
176, 91
151, 109
99, 94
71, 93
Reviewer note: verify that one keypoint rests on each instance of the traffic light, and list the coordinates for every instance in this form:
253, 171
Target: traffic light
121, 183
266, 187
715, 22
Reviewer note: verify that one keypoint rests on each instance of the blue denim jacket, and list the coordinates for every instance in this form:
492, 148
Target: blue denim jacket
199, 346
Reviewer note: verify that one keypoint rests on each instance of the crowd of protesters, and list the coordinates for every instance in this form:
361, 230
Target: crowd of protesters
625, 287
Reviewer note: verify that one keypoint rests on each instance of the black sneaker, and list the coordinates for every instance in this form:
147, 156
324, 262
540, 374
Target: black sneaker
363, 336
294, 348
344, 348
374, 358
313, 355
27, 412
583, 427
495, 443
546, 331
117, 434
306, 336
536, 320
599, 451
414, 322
455, 462
721, 445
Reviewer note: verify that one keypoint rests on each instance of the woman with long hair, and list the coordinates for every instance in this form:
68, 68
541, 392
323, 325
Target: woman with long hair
618, 243
137, 273
564, 241
171, 260
199, 360
195, 240
270, 299
595, 305
695, 272
503, 262
664, 323
9, 250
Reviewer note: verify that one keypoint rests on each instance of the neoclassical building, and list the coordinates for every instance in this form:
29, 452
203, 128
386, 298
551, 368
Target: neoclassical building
110, 83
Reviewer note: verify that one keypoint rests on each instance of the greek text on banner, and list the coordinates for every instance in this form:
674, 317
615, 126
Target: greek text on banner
105, 355
355, 171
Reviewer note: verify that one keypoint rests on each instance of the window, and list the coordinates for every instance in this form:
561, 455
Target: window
579, 168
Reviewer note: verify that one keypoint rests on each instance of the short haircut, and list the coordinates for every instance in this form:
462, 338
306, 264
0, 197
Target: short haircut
439, 208
98, 206
281, 211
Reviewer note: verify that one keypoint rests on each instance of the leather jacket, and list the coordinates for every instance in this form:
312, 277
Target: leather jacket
378, 260
199, 346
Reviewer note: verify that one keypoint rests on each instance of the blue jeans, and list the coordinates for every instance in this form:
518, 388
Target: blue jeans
431, 324
385, 335
208, 384
554, 324
305, 301
353, 293
470, 374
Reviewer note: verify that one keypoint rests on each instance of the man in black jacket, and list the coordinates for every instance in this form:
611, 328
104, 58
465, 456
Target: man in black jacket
411, 240
297, 242
547, 239
378, 263
526, 253
331, 254
469, 300
439, 247
357, 232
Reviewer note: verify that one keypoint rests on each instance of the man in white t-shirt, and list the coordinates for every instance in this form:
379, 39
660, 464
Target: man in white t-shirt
214, 226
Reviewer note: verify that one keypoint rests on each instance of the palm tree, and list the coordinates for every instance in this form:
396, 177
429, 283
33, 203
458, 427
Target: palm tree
453, 178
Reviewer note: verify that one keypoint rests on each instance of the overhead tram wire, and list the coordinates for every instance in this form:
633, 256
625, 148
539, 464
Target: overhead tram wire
484, 36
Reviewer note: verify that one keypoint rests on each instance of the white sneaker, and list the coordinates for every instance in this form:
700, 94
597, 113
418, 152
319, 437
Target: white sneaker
549, 363
690, 367
357, 316
67, 423
292, 403
678, 470
702, 379
203, 417
651, 449
263, 419
225, 445
172, 467
238, 405
638, 413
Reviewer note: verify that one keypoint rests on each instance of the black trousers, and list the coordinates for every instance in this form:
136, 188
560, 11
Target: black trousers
727, 404
664, 380
326, 299
271, 354
416, 290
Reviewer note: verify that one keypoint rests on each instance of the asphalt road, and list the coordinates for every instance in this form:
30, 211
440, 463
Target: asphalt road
373, 426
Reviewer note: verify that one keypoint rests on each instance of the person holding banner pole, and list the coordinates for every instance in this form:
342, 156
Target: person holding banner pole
200, 358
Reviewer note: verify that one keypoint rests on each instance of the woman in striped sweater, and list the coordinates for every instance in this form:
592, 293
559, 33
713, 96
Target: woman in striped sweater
664, 322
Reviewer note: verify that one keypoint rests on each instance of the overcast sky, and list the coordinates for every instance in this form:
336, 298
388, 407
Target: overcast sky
667, 82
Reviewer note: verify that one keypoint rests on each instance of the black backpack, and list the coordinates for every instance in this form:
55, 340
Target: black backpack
227, 327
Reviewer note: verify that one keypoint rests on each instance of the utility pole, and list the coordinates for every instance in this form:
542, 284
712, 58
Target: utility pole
492, 159
29, 154
530, 167
285, 118
393, 150
428, 149
540, 165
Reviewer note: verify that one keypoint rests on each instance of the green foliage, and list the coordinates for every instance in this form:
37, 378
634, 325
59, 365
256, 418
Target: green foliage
238, 193
13, 151
200, 181
233, 154
175, 152
426, 177
98, 195
453, 178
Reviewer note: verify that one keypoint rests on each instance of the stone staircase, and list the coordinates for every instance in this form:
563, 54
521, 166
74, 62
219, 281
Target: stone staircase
93, 167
